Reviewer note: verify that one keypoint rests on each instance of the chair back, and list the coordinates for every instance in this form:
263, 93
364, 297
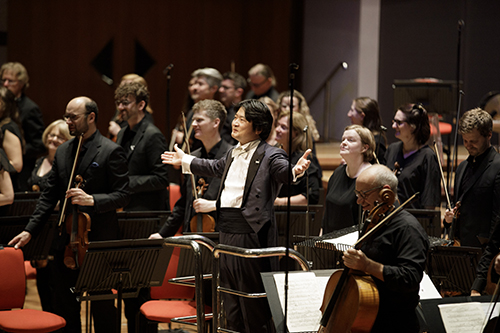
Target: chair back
175, 194
12, 278
169, 290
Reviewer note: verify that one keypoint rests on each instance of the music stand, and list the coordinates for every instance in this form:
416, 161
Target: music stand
38, 247
453, 268
123, 265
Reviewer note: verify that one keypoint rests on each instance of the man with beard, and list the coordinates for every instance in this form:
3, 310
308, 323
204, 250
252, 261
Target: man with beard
103, 166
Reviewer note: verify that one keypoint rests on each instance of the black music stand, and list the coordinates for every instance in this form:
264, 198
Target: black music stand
38, 247
123, 265
453, 268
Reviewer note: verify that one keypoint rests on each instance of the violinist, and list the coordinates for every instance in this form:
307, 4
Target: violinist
477, 182
208, 118
394, 256
103, 166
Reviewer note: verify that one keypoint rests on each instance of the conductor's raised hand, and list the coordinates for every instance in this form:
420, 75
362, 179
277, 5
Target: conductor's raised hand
302, 164
172, 157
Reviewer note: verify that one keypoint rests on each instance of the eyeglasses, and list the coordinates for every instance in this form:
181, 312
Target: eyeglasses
398, 122
364, 194
256, 85
9, 81
73, 117
125, 102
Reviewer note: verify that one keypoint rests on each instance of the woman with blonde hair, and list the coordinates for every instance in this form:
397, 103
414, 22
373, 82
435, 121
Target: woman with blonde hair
54, 135
300, 106
341, 209
301, 141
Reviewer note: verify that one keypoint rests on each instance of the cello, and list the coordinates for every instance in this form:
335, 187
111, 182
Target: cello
350, 302
77, 223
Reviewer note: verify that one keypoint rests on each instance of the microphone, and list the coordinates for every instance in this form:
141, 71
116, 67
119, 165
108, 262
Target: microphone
167, 69
383, 128
294, 66
461, 24
305, 128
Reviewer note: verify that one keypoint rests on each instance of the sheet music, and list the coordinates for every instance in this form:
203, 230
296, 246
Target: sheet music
349, 239
428, 289
305, 295
463, 317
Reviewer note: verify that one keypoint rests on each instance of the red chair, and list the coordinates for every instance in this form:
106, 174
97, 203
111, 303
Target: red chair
170, 300
174, 195
12, 293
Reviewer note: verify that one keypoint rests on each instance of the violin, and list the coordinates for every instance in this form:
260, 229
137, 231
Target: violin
351, 299
397, 168
201, 222
78, 227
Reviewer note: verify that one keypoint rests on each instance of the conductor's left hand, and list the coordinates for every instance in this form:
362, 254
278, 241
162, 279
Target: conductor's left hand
302, 164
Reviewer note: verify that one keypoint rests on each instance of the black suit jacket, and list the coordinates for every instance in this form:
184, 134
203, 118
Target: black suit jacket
104, 170
148, 175
183, 209
480, 202
268, 170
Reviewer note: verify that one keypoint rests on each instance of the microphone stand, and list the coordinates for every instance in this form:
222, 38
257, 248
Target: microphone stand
461, 24
166, 72
305, 130
293, 68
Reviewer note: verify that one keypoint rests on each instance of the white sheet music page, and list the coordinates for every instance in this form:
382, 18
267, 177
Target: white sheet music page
305, 295
462, 317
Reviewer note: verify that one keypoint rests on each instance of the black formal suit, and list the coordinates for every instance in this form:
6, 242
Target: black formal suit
480, 200
104, 169
183, 210
267, 171
148, 175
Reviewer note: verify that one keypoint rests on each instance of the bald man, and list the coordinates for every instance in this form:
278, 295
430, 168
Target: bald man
103, 166
394, 256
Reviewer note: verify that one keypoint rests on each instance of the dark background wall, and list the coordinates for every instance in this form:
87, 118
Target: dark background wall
57, 41
419, 38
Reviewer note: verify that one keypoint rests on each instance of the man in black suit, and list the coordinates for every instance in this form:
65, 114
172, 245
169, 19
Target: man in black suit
103, 166
477, 187
15, 77
477, 182
252, 174
208, 118
143, 142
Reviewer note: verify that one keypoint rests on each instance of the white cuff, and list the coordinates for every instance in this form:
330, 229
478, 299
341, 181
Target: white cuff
186, 163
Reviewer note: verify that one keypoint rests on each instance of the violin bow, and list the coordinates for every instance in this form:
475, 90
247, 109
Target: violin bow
186, 142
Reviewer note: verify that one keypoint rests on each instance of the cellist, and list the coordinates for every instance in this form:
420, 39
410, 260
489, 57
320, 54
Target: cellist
208, 118
394, 256
103, 166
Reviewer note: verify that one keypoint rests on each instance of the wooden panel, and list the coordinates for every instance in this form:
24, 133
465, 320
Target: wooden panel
56, 40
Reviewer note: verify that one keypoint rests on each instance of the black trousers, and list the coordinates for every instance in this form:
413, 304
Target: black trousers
244, 314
